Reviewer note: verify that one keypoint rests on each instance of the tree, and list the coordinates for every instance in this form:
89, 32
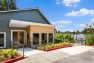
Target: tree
3, 5
7, 5
12, 5
89, 34
89, 29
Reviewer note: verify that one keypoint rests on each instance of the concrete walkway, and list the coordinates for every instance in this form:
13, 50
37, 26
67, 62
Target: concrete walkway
56, 55
29, 52
75, 50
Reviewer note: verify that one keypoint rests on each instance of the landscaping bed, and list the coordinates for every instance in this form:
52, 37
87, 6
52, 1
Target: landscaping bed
9, 56
89, 45
51, 47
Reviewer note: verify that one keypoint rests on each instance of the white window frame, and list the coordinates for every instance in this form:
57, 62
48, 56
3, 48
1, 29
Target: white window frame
4, 39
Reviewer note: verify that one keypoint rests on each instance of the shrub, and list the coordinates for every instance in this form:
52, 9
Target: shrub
59, 37
63, 37
7, 54
45, 47
89, 39
1, 58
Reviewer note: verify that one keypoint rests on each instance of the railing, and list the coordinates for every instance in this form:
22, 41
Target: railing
17, 45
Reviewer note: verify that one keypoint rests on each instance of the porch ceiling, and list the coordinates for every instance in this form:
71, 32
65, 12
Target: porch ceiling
24, 24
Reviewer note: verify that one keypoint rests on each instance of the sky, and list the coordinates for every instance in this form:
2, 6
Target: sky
65, 15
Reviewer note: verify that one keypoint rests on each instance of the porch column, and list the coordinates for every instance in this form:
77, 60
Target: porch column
25, 38
53, 38
40, 39
31, 39
47, 38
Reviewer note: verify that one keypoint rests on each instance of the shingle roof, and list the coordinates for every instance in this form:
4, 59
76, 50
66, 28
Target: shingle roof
17, 10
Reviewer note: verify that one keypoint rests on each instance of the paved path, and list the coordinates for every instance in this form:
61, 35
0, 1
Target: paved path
46, 57
29, 52
61, 55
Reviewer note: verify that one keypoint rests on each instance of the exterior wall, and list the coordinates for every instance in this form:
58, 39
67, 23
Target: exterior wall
40, 29
8, 34
24, 15
44, 29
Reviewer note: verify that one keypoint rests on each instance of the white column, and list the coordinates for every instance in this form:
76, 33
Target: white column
47, 38
40, 39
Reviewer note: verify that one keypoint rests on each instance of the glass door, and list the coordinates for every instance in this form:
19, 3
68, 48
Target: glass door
44, 38
15, 37
18, 37
22, 40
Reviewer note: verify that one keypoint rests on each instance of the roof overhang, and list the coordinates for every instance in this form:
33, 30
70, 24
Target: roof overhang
24, 24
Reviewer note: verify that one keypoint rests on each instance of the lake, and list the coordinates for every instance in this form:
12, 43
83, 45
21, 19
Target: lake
79, 38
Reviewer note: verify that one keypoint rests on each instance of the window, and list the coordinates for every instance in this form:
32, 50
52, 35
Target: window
44, 38
35, 38
2, 39
22, 37
15, 36
28, 38
50, 37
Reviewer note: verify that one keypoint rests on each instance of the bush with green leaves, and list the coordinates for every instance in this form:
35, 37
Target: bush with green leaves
7, 54
45, 47
63, 37
59, 37
89, 39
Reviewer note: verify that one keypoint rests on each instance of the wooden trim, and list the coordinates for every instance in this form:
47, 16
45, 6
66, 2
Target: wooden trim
18, 36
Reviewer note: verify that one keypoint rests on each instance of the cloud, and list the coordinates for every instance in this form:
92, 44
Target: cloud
68, 3
90, 23
62, 22
81, 12
83, 26
60, 25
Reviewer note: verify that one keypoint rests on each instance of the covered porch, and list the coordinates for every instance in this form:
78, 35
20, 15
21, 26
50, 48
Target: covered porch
35, 34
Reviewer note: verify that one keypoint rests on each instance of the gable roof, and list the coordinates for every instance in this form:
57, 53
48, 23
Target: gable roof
18, 10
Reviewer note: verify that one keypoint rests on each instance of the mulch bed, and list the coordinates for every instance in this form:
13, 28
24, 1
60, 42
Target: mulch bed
90, 45
54, 48
13, 60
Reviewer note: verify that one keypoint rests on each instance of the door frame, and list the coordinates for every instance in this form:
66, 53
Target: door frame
18, 31
4, 39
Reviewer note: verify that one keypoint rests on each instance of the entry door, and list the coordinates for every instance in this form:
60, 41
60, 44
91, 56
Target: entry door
19, 37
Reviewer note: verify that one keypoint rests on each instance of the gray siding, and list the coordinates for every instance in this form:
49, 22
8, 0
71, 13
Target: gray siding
25, 15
